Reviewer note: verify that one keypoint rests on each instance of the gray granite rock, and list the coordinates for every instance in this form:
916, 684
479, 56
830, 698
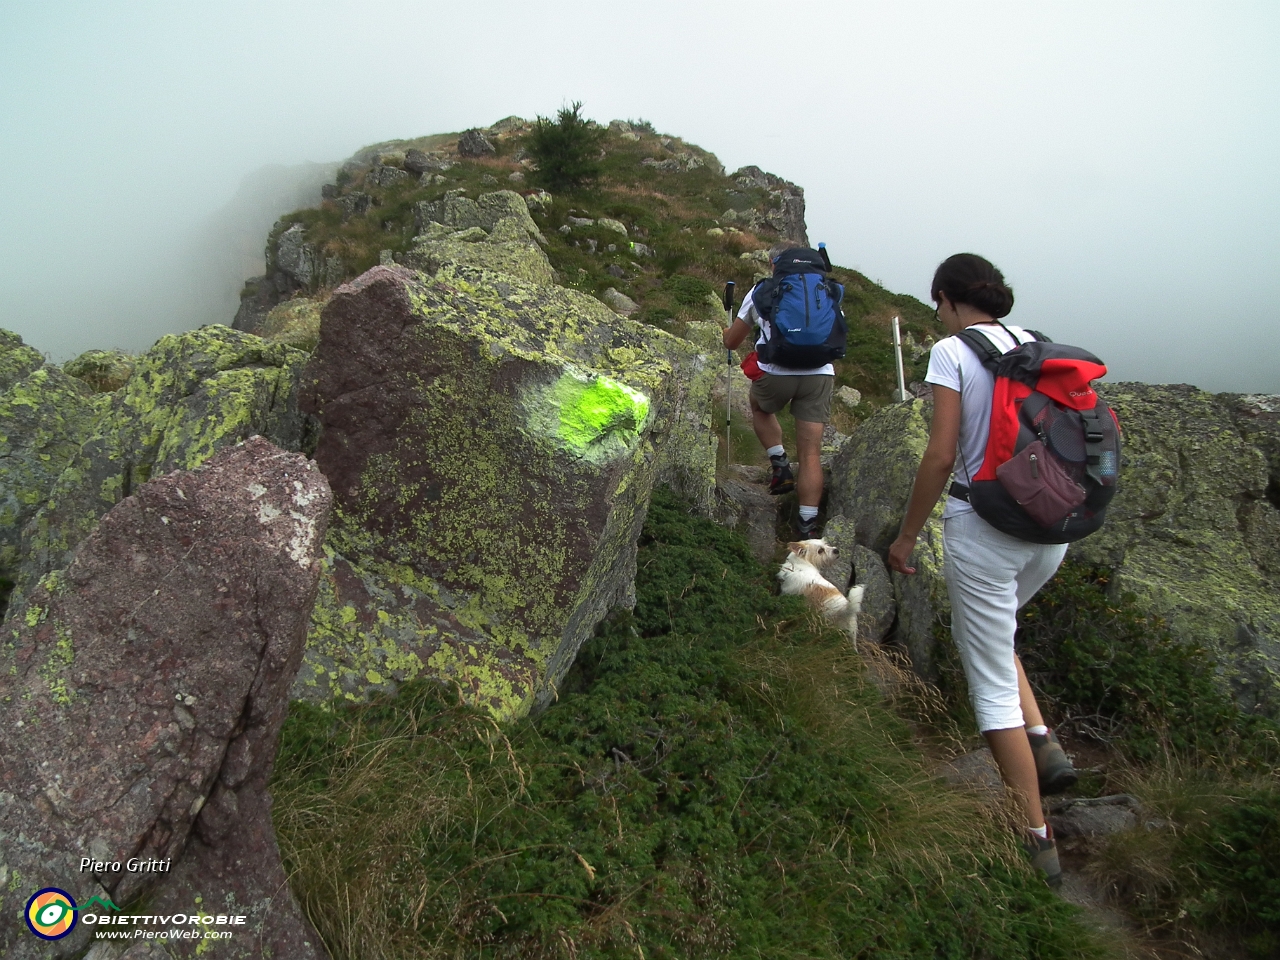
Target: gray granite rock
474, 144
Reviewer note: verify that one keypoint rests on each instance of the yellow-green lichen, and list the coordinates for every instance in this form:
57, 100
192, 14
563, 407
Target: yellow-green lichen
187, 397
61, 656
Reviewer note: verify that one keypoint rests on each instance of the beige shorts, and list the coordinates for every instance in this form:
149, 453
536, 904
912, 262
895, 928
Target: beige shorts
809, 395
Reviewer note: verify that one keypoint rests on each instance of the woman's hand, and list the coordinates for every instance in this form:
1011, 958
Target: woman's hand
900, 553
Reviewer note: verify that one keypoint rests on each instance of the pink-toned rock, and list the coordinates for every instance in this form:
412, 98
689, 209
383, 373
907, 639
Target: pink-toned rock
142, 691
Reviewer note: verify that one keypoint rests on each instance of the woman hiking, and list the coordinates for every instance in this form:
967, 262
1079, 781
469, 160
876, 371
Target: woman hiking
989, 574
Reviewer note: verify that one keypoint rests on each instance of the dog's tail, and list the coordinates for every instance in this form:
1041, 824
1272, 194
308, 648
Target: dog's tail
855, 607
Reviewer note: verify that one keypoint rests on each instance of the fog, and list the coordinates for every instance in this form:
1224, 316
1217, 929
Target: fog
1117, 160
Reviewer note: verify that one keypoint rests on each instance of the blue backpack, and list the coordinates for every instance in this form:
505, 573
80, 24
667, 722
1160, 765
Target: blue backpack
802, 305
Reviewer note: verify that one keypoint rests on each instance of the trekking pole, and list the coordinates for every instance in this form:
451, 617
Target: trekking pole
728, 377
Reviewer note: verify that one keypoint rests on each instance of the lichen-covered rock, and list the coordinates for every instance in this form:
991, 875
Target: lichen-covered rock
190, 395
619, 302
17, 360
1188, 526
45, 416
142, 691
1192, 531
871, 479
495, 233
492, 445
294, 323
103, 370
458, 212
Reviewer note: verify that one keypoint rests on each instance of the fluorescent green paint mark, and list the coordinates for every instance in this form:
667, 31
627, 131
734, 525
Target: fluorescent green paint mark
596, 418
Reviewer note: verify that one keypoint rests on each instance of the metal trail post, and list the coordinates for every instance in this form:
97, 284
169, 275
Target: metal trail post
728, 379
897, 352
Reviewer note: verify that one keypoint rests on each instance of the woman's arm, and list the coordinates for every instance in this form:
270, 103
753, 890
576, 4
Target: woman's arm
935, 469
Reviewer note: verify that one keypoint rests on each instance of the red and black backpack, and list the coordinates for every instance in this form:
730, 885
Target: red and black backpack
1053, 452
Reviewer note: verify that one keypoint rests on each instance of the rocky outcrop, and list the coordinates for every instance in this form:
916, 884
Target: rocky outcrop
293, 265
189, 396
473, 143
1187, 530
495, 233
46, 416
142, 691
492, 444
871, 479
786, 200
1193, 532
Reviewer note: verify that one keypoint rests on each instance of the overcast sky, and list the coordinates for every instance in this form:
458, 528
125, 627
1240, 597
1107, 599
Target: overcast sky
1119, 161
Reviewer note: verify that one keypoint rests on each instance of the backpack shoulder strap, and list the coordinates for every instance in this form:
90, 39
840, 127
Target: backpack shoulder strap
984, 348
1037, 335
764, 295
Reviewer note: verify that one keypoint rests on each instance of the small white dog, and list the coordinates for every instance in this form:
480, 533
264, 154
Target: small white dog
800, 576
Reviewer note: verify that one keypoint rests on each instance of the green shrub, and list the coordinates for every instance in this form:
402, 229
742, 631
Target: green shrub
1122, 675
688, 291
1235, 860
566, 149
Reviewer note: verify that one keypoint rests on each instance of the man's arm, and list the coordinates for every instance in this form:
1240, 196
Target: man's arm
735, 333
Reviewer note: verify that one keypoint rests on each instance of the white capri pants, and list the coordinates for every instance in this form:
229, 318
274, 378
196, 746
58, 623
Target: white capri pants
989, 576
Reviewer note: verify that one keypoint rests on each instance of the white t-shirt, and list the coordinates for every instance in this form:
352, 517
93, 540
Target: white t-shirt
952, 363
748, 313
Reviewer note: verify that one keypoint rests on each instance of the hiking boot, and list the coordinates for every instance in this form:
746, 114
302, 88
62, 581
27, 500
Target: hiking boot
782, 481
1044, 857
807, 529
1052, 764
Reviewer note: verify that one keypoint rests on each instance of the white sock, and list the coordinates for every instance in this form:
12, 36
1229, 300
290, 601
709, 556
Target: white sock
808, 513
1041, 831
1038, 731
776, 450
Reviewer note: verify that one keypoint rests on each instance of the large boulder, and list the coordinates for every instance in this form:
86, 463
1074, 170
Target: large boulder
190, 395
142, 691
492, 444
45, 416
1193, 532
1188, 529
871, 479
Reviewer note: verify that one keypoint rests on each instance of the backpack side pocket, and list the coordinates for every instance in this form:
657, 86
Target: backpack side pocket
1040, 484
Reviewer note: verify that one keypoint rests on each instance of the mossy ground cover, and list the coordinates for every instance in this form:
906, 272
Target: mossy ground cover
716, 779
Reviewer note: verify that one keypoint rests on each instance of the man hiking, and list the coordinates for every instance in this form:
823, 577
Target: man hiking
801, 329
